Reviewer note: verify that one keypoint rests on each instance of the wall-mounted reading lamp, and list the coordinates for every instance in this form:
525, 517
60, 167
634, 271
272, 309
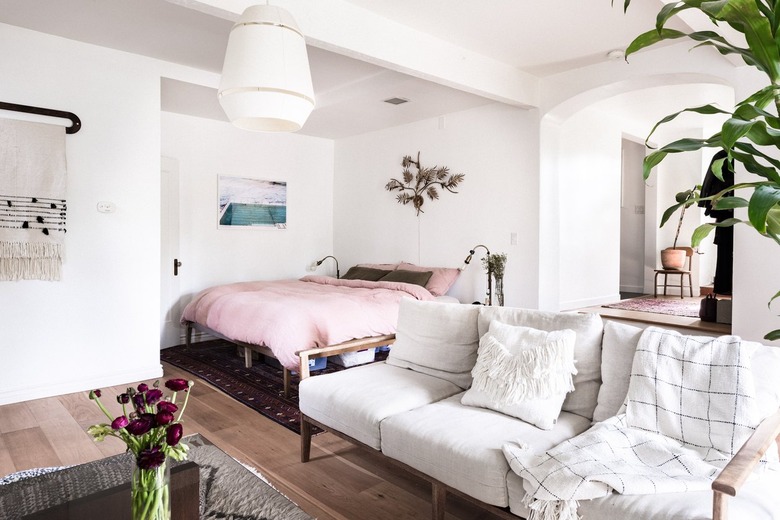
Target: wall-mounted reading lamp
319, 262
489, 274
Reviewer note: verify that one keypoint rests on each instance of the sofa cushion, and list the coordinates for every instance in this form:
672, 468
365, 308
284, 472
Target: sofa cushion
355, 401
587, 348
438, 339
619, 346
461, 445
523, 372
757, 500
617, 355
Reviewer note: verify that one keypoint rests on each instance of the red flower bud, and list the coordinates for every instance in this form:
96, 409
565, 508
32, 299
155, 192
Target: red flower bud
177, 385
164, 417
143, 387
120, 422
140, 426
153, 395
166, 406
173, 434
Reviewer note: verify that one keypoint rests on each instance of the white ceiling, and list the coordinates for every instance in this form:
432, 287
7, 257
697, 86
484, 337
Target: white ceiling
538, 37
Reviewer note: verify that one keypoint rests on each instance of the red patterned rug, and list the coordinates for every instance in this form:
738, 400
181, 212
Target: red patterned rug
672, 306
261, 387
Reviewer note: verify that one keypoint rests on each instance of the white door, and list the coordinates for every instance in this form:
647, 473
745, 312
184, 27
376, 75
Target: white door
632, 219
170, 264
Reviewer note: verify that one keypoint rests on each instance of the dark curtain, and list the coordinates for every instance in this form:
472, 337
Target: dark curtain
724, 236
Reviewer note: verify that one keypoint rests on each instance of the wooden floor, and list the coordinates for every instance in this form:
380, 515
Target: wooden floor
340, 482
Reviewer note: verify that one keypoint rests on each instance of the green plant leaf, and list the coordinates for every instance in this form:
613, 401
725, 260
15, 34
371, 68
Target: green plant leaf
700, 233
764, 198
704, 109
772, 336
729, 203
669, 212
651, 38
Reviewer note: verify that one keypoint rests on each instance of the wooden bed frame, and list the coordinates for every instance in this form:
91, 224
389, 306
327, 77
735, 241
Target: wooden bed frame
352, 345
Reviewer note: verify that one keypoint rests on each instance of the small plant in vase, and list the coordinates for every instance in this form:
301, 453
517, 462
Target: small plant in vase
671, 257
494, 264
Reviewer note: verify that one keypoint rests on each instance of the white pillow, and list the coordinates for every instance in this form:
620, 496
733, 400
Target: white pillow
523, 372
617, 355
438, 339
619, 346
587, 348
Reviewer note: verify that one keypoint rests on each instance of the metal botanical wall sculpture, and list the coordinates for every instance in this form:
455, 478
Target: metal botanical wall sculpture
426, 181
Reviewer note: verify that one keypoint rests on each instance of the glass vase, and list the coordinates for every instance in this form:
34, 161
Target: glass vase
499, 290
150, 493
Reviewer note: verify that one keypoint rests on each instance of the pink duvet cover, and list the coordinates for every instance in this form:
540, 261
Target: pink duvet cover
292, 315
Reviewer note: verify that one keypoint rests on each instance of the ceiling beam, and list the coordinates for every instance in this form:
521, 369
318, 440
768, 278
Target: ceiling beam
341, 27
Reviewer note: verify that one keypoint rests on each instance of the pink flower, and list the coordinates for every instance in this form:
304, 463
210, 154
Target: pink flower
141, 425
120, 422
150, 458
166, 406
173, 434
164, 417
177, 384
153, 395
143, 387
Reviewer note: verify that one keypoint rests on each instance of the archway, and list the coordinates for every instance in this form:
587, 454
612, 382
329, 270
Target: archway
580, 190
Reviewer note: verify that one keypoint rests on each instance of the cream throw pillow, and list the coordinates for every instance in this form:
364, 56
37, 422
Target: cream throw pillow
523, 372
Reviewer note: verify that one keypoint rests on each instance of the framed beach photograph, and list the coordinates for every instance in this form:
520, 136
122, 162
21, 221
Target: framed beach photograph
257, 203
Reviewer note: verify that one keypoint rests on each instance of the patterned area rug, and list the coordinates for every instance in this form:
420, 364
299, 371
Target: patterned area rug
261, 387
672, 306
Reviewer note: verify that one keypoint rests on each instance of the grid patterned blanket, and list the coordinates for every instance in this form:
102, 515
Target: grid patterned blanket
689, 408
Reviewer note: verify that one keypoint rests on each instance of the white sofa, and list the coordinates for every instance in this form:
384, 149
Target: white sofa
410, 409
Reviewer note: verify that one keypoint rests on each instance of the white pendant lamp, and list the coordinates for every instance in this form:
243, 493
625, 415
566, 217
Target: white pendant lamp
266, 83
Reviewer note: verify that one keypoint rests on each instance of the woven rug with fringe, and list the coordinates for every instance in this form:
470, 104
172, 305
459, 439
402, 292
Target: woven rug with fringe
260, 387
672, 306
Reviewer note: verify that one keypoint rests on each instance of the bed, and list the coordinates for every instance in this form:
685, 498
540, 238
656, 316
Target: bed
295, 321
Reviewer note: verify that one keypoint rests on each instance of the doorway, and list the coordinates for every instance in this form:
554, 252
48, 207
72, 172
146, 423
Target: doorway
170, 330
632, 219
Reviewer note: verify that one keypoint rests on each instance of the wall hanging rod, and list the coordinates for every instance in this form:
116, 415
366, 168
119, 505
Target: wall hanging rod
72, 129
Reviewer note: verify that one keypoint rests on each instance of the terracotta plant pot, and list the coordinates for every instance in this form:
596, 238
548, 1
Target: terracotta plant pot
672, 258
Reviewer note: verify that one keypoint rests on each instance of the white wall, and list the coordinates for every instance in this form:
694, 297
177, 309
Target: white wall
589, 168
98, 326
496, 147
212, 255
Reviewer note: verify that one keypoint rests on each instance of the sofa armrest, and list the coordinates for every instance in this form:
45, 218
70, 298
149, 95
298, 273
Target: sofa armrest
341, 348
742, 464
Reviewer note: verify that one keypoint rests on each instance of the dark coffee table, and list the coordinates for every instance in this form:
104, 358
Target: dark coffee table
210, 485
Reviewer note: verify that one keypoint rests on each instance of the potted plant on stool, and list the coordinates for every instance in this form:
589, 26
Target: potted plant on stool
671, 257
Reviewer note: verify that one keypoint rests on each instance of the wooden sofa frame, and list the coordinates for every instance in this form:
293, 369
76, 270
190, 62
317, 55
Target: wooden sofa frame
727, 484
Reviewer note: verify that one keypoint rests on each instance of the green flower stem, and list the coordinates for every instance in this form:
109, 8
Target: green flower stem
103, 409
184, 406
150, 494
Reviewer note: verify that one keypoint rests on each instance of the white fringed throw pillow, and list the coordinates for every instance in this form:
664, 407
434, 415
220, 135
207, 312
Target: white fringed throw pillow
523, 372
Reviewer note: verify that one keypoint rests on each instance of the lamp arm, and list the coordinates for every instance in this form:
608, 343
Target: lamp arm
338, 273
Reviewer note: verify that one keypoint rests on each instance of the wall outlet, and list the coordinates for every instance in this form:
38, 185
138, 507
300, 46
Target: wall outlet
639, 210
513, 239
106, 207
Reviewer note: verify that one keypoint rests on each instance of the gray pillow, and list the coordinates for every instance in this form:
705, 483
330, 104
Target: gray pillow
416, 277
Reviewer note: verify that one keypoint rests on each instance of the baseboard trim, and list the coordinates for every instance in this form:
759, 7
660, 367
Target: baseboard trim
28, 393
589, 302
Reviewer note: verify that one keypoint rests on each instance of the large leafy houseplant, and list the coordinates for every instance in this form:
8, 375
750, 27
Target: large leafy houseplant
751, 133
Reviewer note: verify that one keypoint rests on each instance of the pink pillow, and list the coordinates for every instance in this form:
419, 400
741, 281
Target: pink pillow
441, 280
384, 267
